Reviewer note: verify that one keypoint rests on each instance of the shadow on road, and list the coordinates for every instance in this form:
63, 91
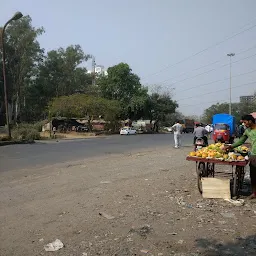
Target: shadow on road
240, 247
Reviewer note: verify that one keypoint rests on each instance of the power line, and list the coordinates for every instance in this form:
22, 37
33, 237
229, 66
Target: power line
208, 71
209, 64
221, 80
205, 49
215, 101
215, 91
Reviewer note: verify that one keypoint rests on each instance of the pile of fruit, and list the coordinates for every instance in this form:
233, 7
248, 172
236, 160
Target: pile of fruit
217, 151
242, 149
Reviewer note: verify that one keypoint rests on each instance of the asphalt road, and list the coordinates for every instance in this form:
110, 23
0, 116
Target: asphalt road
16, 157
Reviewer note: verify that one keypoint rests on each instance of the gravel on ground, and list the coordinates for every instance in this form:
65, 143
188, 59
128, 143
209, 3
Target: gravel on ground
138, 203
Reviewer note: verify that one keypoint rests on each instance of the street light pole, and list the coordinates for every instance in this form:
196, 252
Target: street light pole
230, 88
16, 16
93, 71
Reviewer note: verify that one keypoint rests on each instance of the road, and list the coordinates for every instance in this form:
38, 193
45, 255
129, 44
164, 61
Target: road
144, 202
16, 157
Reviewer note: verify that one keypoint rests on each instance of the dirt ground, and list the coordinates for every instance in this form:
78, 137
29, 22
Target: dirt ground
138, 203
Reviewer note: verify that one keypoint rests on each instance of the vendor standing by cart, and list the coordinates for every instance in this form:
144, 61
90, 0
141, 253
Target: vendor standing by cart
250, 133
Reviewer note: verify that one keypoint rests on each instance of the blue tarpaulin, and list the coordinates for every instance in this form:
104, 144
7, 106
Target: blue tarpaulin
225, 119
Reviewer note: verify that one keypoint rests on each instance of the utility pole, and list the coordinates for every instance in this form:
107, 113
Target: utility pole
16, 16
93, 71
230, 88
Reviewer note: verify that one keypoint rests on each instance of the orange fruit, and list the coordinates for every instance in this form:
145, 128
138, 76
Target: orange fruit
204, 155
198, 153
240, 158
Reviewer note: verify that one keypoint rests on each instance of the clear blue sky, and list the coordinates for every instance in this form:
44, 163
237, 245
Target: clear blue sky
150, 35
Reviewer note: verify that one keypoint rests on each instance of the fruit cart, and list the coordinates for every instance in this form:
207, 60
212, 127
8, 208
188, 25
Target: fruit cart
205, 167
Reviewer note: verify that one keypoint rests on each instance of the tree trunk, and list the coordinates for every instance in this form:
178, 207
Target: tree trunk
155, 127
151, 120
17, 108
90, 123
10, 111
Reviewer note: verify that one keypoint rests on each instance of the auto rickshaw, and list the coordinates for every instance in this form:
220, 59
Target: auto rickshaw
223, 128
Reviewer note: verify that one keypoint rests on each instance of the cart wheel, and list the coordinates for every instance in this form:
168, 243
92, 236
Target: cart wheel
202, 170
210, 169
199, 184
200, 174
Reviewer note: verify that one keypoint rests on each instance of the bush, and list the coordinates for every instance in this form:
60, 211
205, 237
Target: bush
4, 138
112, 127
26, 132
38, 125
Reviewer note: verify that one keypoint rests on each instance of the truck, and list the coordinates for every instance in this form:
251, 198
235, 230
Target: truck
188, 125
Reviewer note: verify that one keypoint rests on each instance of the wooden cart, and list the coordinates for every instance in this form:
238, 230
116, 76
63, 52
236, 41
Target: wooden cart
205, 167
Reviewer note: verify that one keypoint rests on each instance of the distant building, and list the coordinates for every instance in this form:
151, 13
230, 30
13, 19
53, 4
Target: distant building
249, 98
99, 70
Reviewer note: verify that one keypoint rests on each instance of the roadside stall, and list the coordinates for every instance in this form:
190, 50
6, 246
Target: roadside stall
207, 158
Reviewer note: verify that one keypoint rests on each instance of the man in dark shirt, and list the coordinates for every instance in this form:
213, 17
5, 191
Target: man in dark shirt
200, 132
250, 133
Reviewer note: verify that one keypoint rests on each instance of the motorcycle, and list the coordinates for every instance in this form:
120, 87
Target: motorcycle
199, 144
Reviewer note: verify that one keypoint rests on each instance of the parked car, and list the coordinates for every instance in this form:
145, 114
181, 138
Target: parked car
82, 128
127, 131
168, 129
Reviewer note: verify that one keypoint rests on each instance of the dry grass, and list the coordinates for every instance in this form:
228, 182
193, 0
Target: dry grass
69, 135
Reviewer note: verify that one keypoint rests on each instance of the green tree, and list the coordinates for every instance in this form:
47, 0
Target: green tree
219, 108
60, 74
158, 106
84, 106
123, 85
61, 71
23, 56
120, 84
170, 119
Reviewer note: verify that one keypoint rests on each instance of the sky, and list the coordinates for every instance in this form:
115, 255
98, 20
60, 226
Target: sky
179, 45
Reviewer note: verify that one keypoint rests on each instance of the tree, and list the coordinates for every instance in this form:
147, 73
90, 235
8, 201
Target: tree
238, 110
60, 74
123, 85
81, 105
158, 106
170, 119
120, 84
23, 56
61, 70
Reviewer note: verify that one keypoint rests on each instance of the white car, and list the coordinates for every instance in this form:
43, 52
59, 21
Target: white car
127, 131
169, 129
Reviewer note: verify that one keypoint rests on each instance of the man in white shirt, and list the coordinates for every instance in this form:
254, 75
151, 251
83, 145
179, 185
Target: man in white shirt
208, 129
177, 130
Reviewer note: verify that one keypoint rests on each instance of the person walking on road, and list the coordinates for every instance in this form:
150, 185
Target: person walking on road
177, 130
